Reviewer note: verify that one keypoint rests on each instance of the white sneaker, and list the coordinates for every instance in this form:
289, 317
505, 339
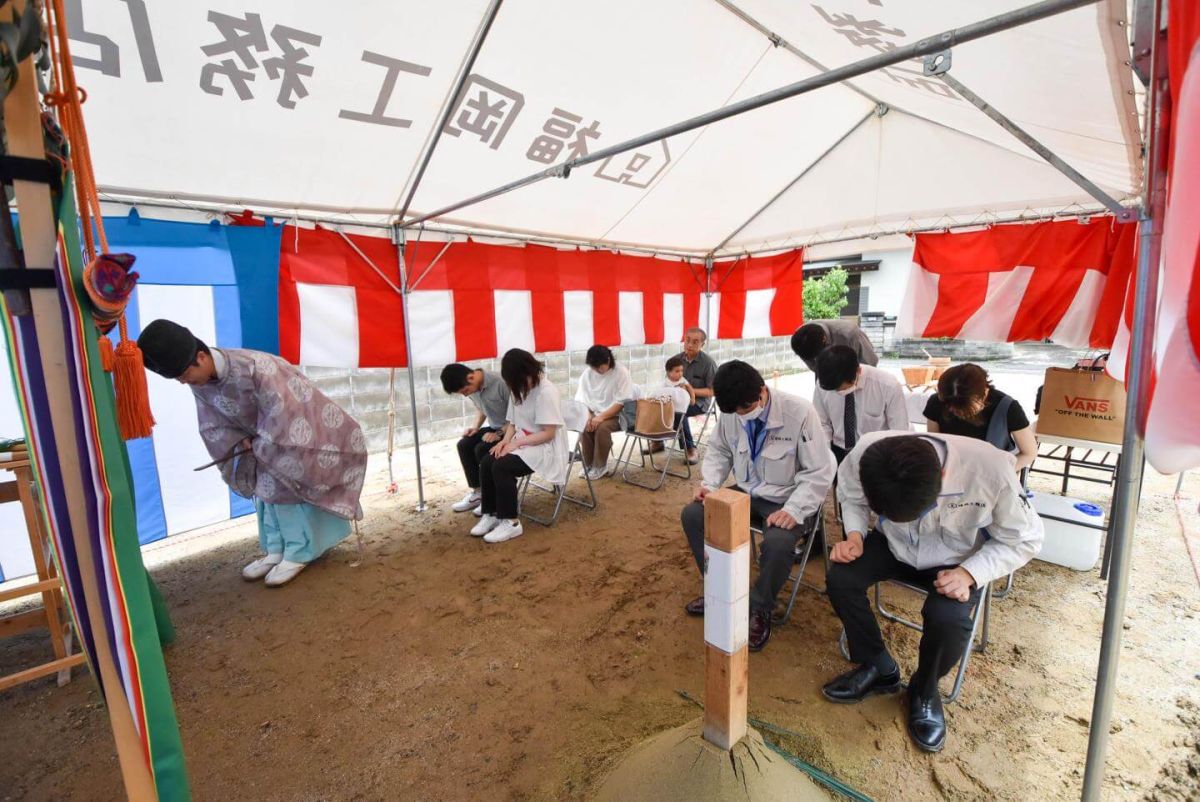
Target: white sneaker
469, 502
595, 473
478, 511
261, 567
283, 573
486, 524
505, 530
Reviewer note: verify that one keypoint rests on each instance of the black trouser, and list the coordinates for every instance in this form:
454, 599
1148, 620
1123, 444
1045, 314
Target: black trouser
689, 442
469, 454
777, 549
947, 622
839, 454
498, 484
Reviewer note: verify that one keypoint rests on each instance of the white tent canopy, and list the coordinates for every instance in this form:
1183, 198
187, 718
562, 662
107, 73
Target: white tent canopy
297, 108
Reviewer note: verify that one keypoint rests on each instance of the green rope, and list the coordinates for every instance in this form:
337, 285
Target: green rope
827, 780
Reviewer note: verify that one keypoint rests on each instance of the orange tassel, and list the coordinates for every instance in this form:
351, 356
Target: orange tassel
108, 359
134, 417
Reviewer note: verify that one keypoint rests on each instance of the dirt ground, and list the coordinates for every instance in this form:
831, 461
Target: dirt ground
443, 668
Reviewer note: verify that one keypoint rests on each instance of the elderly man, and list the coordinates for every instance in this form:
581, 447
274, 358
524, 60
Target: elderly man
775, 448
699, 370
276, 438
950, 518
812, 338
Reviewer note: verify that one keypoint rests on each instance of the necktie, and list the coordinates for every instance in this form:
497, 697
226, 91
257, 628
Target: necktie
754, 431
851, 424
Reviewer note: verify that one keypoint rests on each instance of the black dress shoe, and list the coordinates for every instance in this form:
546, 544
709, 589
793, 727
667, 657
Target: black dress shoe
926, 721
859, 683
695, 606
760, 630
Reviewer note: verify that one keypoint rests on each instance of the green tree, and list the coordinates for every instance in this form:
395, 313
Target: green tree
825, 297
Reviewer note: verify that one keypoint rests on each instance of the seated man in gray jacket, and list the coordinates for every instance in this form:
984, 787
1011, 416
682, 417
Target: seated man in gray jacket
951, 518
774, 446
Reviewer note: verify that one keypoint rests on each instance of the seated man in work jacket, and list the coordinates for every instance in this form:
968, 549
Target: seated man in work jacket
951, 518
773, 444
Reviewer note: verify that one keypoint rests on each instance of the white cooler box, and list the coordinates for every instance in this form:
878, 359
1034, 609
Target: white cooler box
1069, 544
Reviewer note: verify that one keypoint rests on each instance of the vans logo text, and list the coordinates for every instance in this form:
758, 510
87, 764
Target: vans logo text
1084, 404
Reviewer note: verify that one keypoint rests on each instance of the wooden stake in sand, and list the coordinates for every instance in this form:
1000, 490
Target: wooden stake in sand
726, 615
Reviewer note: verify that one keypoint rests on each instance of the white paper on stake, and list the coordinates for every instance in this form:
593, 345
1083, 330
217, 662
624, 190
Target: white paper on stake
726, 624
727, 576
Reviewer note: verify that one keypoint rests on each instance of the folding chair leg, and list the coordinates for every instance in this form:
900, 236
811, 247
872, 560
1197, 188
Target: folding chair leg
670, 450
560, 492
981, 612
978, 620
1008, 586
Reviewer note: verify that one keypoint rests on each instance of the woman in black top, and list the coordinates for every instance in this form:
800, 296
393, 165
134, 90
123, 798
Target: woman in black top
966, 403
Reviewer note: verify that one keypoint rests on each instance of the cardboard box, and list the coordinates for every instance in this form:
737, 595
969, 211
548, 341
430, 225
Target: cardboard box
1082, 404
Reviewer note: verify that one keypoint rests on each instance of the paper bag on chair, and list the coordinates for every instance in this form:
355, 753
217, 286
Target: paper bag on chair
1082, 404
655, 416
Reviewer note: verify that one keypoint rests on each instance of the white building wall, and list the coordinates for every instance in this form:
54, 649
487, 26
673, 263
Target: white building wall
887, 284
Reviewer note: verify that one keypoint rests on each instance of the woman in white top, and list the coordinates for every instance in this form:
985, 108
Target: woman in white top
535, 441
602, 387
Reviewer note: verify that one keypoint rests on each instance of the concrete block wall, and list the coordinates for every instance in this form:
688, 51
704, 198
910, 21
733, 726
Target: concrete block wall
364, 392
957, 350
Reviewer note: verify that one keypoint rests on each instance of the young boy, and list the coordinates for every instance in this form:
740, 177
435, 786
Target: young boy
488, 392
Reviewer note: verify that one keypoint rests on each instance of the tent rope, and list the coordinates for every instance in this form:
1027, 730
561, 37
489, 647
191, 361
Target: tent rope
134, 417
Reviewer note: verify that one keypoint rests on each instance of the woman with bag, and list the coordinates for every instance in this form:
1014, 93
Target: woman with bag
603, 386
967, 404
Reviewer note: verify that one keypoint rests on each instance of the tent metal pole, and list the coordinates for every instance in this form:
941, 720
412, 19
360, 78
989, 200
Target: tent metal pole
708, 270
391, 447
778, 41
408, 353
489, 17
200, 203
909, 230
878, 111
1122, 213
932, 44
1137, 382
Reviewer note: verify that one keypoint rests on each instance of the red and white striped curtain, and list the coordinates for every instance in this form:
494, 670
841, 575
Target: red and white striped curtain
477, 300
1173, 425
1060, 280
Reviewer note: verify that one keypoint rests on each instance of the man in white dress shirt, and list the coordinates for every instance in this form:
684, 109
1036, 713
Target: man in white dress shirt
854, 399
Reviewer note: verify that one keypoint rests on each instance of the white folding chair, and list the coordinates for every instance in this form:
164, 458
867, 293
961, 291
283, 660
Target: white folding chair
576, 415
671, 448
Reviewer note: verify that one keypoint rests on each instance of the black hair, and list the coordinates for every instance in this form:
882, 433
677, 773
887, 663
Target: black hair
737, 384
599, 355
962, 389
809, 340
675, 362
201, 348
901, 476
454, 377
836, 365
521, 372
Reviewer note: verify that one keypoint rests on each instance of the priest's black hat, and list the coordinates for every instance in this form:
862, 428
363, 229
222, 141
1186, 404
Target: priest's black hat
168, 349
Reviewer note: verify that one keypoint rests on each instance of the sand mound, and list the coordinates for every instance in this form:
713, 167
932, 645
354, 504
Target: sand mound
680, 765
